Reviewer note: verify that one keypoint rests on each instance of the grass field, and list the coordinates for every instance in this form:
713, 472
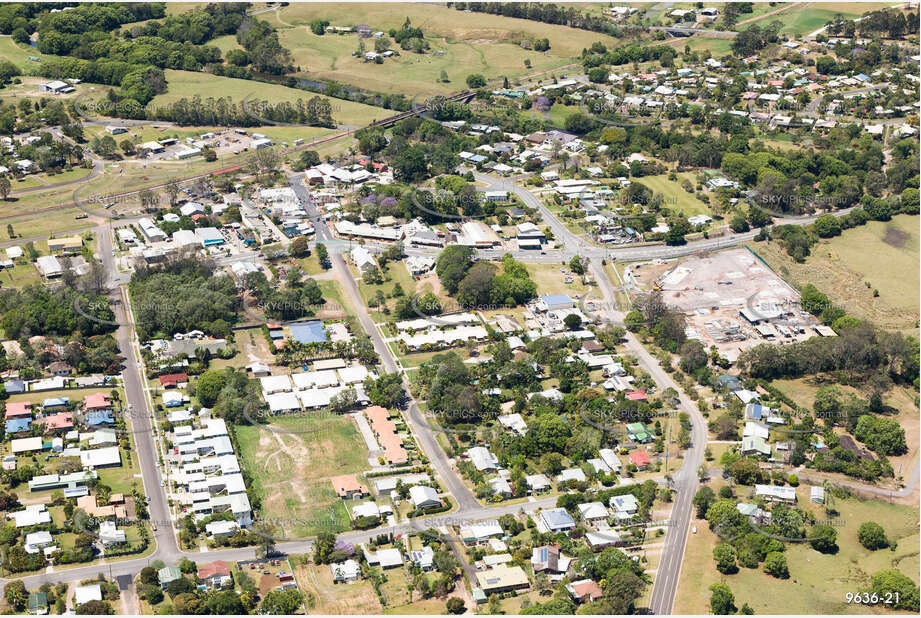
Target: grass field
189, 84
550, 280
885, 254
806, 20
331, 56
818, 582
470, 42
291, 461
675, 196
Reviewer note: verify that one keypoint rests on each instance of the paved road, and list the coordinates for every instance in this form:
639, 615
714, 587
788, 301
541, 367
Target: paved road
685, 481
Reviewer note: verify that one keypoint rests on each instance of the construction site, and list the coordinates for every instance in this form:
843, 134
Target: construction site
731, 299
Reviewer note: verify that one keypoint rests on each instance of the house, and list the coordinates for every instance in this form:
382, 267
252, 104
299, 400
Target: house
173, 380
109, 534
38, 603
424, 558
537, 482
168, 574
56, 87
68, 245
625, 507
96, 401
610, 458
386, 558
817, 494
85, 594
345, 572
593, 512
756, 429
774, 493
555, 520
571, 474
555, 302
18, 409
49, 266
584, 591
481, 531
424, 497
637, 432
215, 574
755, 445
363, 259
37, 541
757, 412
482, 459
603, 538
348, 487
502, 579
639, 459
221, 528
549, 558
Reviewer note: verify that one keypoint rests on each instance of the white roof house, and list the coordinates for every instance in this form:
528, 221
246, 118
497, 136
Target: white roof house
423, 496
85, 594
275, 384
32, 515
482, 459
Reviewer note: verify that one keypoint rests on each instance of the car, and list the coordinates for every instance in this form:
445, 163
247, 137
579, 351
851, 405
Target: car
162, 483
113, 252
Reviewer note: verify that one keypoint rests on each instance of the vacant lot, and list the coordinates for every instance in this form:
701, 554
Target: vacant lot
884, 254
818, 582
460, 43
807, 20
676, 198
330, 56
324, 597
291, 461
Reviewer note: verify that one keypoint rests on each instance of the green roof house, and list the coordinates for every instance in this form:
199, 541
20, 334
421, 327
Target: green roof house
168, 574
638, 433
38, 603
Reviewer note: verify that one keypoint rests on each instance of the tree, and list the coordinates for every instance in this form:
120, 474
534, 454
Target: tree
5, 189
725, 559
127, 146
94, 608
722, 601
16, 594
702, 500
572, 321
281, 602
172, 192
476, 81
827, 226
443, 77
823, 539
892, 583
872, 536
576, 265
322, 255
323, 547
300, 247
209, 386
455, 605
882, 435
775, 563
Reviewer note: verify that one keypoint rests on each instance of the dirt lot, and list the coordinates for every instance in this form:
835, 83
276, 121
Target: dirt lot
291, 461
325, 597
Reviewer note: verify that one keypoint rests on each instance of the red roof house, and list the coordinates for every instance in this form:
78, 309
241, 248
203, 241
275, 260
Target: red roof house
97, 401
639, 459
173, 380
17, 409
636, 395
55, 422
